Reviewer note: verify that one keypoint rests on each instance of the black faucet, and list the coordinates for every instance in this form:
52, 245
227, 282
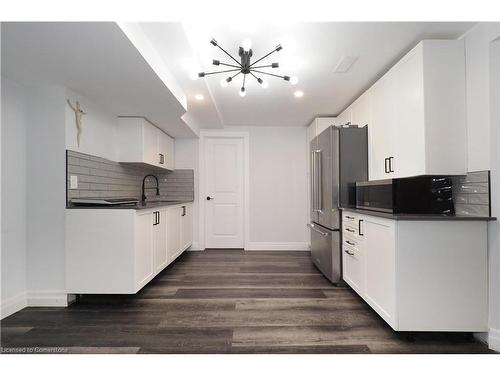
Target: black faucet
143, 187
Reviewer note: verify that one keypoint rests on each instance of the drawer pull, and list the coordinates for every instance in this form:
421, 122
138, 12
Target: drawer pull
349, 217
350, 243
348, 252
350, 230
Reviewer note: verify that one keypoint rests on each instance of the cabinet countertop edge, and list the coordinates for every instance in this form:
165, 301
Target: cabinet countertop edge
418, 217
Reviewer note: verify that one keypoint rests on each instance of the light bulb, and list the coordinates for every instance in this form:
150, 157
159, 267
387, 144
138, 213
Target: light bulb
265, 84
246, 44
243, 93
298, 94
224, 83
294, 80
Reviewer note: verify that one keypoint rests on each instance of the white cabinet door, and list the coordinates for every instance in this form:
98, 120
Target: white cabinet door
186, 226
361, 110
380, 258
150, 144
344, 118
160, 239
409, 159
144, 269
173, 232
382, 129
170, 152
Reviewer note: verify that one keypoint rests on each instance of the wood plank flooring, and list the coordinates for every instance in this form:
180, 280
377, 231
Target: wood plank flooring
223, 301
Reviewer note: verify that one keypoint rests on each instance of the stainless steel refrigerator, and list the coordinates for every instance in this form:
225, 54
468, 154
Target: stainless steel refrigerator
339, 158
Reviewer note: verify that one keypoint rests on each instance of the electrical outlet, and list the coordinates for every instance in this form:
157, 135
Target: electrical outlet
73, 182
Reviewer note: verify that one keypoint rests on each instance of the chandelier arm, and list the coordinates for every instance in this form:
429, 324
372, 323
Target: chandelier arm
269, 74
261, 66
236, 74
244, 77
263, 57
254, 76
222, 71
227, 53
234, 66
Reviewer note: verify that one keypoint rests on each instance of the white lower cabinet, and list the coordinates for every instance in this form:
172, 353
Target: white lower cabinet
118, 251
419, 275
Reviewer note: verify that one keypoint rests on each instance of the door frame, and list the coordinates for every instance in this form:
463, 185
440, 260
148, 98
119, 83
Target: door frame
208, 134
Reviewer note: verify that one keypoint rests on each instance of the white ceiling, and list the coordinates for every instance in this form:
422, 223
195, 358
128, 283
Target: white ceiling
311, 52
95, 59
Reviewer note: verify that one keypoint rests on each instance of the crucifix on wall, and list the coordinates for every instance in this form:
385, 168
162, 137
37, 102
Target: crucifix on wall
78, 119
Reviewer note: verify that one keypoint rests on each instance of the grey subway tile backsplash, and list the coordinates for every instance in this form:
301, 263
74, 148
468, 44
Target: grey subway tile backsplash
102, 178
471, 194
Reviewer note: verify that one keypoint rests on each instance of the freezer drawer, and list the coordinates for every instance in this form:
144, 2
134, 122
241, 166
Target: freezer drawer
326, 251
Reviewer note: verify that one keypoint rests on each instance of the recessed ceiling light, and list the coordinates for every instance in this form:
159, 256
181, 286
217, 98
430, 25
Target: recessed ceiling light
298, 94
199, 97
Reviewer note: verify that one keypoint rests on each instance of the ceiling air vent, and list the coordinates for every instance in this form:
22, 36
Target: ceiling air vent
345, 63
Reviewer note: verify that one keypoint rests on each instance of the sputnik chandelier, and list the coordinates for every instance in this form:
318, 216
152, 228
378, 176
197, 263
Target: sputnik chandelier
246, 67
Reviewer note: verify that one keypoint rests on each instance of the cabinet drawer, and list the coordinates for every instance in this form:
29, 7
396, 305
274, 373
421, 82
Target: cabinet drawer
353, 268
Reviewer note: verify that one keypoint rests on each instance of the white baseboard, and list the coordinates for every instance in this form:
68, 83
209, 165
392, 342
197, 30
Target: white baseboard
494, 339
48, 298
12, 305
276, 246
195, 247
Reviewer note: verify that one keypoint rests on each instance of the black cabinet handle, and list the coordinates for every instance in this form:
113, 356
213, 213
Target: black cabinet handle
359, 227
158, 212
183, 210
386, 166
155, 218
162, 158
209, 198
390, 164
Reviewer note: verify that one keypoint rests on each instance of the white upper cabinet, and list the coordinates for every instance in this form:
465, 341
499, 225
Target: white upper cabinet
318, 125
361, 110
139, 141
345, 118
418, 119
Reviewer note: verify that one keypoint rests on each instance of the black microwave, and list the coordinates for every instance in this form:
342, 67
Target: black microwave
413, 195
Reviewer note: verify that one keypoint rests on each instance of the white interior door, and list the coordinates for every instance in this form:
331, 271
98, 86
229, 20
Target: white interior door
224, 188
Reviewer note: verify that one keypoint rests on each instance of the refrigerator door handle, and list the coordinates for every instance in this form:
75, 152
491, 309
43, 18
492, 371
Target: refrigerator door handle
317, 230
319, 180
313, 181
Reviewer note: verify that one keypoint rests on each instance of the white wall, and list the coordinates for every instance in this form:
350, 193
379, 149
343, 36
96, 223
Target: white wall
98, 129
46, 196
483, 128
278, 186
13, 259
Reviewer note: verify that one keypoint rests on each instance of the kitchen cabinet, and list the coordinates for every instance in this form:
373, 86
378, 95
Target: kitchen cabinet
159, 229
140, 142
173, 232
418, 119
186, 226
411, 272
345, 118
380, 277
361, 110
119, 251
144, 250
179, 229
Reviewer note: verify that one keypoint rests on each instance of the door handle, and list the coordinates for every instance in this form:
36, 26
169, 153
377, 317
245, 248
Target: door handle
391, 158
386, 165
209, 198
162, 158
183, 210
359, 227
319, 172
313, 181
317, 230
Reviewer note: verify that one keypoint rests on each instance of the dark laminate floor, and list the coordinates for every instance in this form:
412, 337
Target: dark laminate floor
224, 301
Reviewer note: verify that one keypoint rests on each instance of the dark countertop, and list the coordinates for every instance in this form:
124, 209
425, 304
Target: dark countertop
138, 207
419, 217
